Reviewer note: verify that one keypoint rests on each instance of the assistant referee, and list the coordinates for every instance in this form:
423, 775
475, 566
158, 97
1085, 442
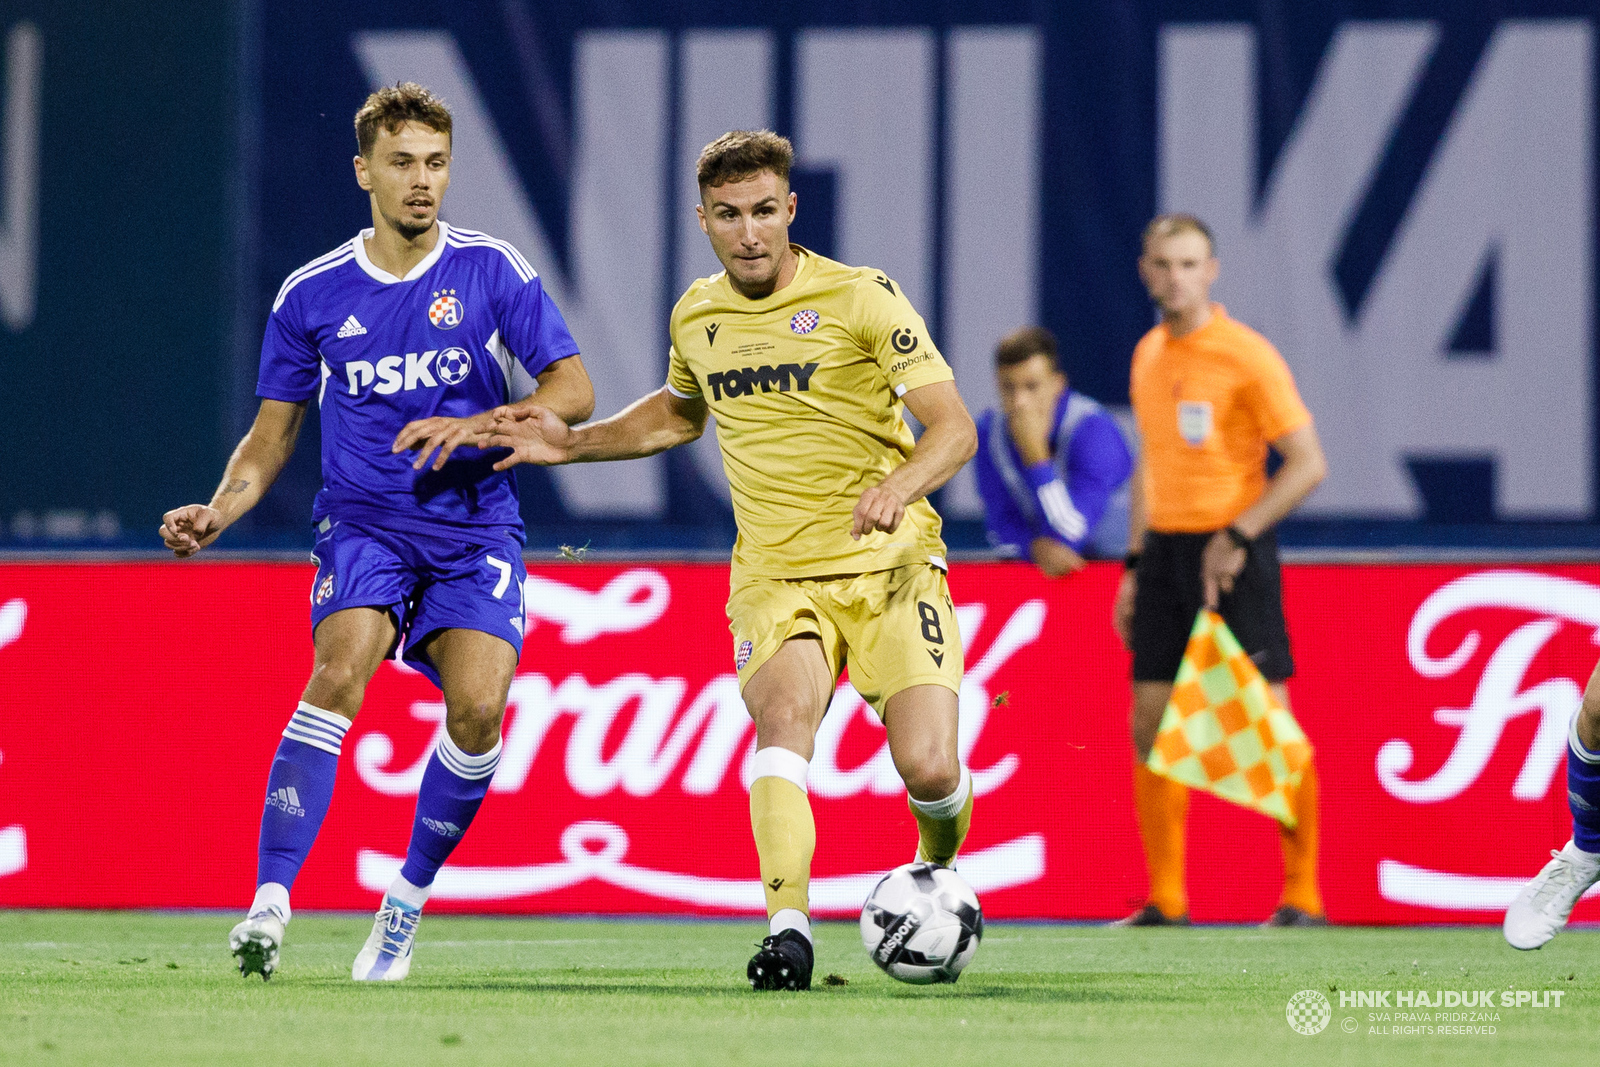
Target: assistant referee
1209, 396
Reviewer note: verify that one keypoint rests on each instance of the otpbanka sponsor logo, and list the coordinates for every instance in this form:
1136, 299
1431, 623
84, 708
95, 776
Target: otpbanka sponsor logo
695, 741
13, 839
1502, 695
1420, 1012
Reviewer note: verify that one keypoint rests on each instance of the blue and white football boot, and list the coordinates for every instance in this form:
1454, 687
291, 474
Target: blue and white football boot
386, 957
255, 943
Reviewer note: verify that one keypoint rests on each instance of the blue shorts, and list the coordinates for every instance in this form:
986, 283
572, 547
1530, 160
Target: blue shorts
425, 583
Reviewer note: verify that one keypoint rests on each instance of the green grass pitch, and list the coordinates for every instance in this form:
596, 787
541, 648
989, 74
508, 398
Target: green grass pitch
158, 988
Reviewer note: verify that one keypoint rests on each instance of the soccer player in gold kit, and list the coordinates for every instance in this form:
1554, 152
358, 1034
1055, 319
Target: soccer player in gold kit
806, 364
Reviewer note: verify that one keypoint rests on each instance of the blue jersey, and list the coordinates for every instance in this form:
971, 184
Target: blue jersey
469, 328
1066, 496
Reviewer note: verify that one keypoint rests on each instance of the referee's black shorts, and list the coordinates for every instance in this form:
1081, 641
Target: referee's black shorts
1169, 595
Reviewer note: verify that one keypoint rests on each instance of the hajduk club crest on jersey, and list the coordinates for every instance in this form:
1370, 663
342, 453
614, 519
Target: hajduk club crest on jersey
446, 311
804, 321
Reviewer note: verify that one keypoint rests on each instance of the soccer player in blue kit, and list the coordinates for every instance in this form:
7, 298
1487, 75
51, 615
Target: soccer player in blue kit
409, 335
1051, 463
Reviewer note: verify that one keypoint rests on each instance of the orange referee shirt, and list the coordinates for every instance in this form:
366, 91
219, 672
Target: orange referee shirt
1207, 403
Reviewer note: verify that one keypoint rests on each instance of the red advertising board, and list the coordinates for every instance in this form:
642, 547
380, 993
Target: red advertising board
142, 704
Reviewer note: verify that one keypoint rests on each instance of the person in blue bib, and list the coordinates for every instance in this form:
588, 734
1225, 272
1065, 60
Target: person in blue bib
407, 336
1052, 465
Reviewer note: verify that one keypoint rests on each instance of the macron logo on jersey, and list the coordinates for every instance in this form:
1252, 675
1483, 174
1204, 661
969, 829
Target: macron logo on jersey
351, 328
412, 371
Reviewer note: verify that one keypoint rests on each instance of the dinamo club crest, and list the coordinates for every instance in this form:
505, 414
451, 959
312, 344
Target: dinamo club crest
446, 312
325, 589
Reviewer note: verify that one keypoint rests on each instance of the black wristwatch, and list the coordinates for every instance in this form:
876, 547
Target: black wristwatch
1238, 538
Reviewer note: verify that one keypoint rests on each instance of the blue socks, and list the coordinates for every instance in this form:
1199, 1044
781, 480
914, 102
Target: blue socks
299, 790
1583, 792
453, 786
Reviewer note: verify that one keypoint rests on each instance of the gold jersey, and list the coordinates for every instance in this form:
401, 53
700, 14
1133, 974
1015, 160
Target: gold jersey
805, 385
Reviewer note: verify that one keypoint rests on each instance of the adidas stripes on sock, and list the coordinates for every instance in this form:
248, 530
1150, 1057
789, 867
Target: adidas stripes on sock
299, 790
453, 787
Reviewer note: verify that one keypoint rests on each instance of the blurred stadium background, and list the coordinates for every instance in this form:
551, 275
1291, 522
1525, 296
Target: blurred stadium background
1404, 196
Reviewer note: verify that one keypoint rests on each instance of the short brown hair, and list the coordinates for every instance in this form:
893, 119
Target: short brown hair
741, 154
1023, 344
1174, 224
390, 108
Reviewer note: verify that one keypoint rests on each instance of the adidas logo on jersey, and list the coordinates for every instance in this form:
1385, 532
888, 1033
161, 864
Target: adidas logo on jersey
286, 800
743, 382
351, 328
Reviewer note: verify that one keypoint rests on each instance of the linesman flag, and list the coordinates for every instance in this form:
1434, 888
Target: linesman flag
1224, 732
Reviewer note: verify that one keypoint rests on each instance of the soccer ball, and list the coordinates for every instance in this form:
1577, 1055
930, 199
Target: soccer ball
922, 924
453, 365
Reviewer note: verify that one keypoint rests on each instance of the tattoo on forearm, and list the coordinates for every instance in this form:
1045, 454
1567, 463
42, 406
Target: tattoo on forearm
238, 485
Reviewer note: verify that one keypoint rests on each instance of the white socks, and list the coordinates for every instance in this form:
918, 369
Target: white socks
320, 729
412, 896
950, 805
271, 896
774, 762
464, 765
790, 919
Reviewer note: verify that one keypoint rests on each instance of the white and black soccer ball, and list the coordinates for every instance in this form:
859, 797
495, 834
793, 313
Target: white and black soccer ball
922, 924
453, 365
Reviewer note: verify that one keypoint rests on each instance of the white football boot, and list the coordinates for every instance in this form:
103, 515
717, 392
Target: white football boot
386, 957
255, 942
1541, 909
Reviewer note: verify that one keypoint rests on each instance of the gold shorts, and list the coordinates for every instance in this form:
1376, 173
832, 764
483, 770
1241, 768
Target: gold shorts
893, 629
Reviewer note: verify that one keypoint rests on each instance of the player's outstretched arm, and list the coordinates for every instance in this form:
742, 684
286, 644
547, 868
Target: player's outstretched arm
251, 470
948, 440
649, 425
564, 390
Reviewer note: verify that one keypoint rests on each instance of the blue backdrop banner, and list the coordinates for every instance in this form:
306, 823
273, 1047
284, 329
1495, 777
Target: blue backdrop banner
117, 231
1403, 196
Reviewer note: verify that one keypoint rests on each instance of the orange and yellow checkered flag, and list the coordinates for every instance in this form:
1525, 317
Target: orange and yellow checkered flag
1224, 732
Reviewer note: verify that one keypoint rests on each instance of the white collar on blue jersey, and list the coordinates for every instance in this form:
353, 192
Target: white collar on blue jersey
379, 274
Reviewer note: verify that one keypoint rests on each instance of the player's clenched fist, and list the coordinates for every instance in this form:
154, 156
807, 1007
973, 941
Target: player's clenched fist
1220, 564
188, 529
534, 435
878, 509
